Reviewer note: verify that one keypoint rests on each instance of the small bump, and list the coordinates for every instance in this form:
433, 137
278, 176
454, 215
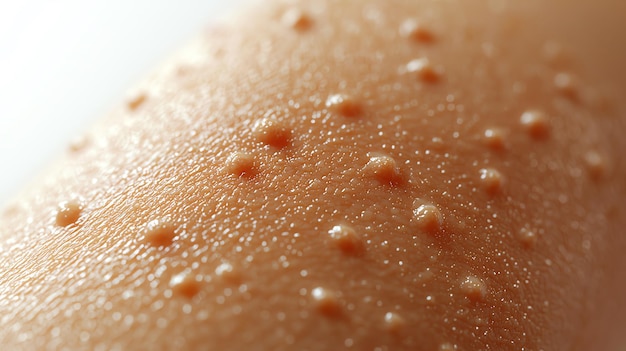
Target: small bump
555, 55
241, 164
567, 85
68, 213
447, 347
384, 168
326, 302
494, 138
160, 233
344, 105
185, 285
536, 124
527, 237
394, 322
416, 31
273, 133
474, 288
346, 239
297, 19
79, 144
596, 165
11, 210
601, 102
491, 180
423, 69
136, 102
228, 273
427, 216
183, 70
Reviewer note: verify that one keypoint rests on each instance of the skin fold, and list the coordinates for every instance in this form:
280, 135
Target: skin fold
327, 175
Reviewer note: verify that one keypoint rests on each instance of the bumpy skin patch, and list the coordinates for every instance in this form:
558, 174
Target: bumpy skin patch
525, 266
68, 213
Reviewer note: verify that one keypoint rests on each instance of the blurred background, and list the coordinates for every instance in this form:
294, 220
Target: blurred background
64, 63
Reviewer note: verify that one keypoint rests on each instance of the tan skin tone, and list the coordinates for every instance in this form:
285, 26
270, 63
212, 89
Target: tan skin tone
301, 178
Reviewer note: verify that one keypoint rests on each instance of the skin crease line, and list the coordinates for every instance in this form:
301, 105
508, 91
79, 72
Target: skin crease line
328, 175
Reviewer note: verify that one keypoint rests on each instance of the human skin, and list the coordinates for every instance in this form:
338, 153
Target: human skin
324, 175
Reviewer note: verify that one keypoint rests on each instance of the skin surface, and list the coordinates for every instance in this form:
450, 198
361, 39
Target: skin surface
326, 175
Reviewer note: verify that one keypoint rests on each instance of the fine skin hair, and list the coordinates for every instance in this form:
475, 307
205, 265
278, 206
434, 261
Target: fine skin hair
327, 175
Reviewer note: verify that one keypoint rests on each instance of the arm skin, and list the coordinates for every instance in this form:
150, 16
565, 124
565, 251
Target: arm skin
300, 178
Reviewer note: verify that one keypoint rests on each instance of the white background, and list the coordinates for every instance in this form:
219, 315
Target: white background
64, 63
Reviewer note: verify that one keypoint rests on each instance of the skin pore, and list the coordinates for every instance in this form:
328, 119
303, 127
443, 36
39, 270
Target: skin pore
324, 175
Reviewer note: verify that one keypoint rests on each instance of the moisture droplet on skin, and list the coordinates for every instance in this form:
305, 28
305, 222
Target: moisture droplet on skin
68, 213
423, 69
185, 285
346, 238
474, 288
136, 102
296, 19
536, 124
394, 322
325, 301
384, 168
494, 138
272, 132
491, 180
344, 105
241, 164
596, 165
427, 216
527, 237
160, 233
414, 30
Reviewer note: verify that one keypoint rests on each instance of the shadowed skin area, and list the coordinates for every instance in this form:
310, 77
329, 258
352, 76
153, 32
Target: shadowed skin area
325, 175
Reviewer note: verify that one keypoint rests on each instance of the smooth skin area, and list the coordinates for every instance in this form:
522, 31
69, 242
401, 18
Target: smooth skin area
326, 175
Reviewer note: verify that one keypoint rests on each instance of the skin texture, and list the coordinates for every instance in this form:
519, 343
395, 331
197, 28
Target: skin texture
321, 175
